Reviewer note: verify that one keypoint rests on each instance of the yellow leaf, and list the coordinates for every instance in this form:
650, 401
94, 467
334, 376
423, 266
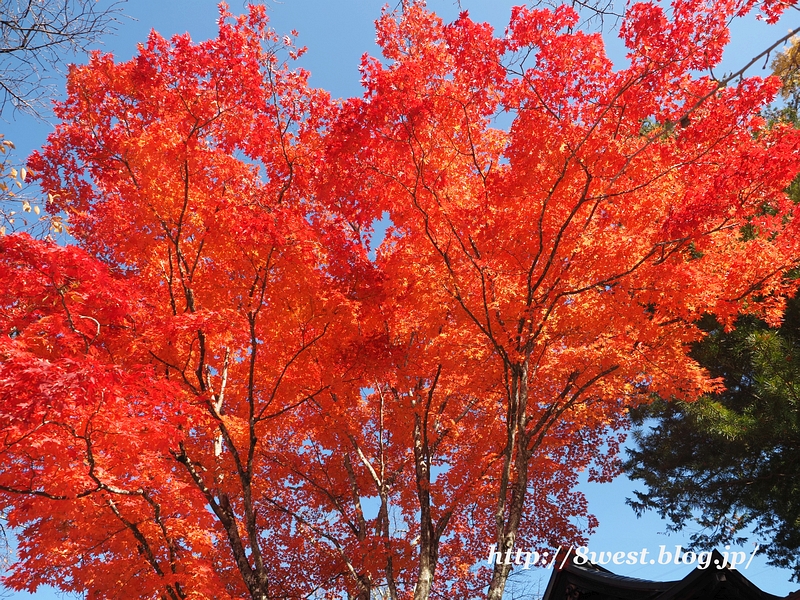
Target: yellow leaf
26, 206
36, 210
23, 173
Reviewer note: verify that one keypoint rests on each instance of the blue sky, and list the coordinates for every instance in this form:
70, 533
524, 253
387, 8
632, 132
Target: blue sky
337, 34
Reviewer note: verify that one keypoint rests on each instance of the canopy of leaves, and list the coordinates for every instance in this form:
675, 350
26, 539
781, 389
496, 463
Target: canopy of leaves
217, 394
729, 460
787, 66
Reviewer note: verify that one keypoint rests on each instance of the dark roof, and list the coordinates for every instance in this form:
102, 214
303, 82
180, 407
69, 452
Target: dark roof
592, 582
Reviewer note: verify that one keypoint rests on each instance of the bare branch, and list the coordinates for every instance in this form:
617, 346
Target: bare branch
35, 38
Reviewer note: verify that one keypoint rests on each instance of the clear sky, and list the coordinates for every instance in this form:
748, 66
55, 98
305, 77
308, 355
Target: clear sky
337, 33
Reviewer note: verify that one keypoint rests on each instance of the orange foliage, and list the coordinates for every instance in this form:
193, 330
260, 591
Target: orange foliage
217, 394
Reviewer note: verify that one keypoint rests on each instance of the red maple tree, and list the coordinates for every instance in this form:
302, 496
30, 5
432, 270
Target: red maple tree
217, 394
